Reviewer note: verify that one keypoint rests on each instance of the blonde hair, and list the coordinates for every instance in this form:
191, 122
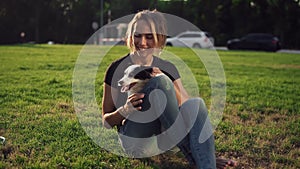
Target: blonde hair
157, 24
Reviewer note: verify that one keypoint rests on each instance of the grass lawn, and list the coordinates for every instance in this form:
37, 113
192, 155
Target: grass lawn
260, 126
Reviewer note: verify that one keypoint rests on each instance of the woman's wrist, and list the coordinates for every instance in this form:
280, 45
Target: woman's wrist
122, 110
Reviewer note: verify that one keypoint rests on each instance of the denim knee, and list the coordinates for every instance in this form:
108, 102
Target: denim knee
161, 82
194, 110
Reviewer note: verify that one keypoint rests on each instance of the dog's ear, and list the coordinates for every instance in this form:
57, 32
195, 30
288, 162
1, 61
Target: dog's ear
148, 69
144, 73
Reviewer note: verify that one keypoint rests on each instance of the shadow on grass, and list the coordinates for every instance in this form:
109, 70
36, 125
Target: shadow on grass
166, 161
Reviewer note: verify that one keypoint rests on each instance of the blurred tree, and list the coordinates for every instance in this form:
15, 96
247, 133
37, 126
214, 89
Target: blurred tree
12, 14
139, 5
285, 21
69, 21
225, 22
119, 8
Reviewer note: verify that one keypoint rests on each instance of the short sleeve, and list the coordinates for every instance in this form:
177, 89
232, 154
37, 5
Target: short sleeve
109, 73
167, 68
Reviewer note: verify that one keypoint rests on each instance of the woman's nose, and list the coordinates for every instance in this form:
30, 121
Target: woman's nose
143, 40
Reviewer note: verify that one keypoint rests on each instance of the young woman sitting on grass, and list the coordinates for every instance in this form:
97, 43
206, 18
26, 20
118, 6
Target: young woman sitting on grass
146, 36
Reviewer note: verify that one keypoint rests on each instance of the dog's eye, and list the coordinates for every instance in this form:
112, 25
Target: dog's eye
131, 75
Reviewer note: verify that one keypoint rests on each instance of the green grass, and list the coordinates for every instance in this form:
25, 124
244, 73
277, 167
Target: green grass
260, 126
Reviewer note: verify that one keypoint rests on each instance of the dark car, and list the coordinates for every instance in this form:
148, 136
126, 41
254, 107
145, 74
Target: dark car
255, 41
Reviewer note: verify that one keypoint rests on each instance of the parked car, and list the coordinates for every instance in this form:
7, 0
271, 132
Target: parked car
255, 41
210, 37
193, 39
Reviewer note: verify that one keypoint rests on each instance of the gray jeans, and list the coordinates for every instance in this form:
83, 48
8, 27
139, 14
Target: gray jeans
187, 127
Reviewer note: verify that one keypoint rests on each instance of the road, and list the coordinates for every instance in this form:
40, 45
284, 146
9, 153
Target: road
280, 51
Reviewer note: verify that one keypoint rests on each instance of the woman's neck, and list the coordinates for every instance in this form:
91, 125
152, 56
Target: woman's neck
141, 60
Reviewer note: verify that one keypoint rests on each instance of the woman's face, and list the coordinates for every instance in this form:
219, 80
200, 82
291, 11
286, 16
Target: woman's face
143, 38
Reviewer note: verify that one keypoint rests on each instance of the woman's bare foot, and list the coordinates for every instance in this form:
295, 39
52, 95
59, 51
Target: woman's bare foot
224, 163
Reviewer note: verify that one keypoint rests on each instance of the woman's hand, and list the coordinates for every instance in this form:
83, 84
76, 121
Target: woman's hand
132, 104
155, 71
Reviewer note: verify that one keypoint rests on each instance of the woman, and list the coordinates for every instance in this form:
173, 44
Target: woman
146, 36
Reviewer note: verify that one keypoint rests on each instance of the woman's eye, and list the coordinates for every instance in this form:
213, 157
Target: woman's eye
137, 35
149, 36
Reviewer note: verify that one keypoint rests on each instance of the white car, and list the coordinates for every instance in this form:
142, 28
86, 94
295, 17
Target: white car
193, 39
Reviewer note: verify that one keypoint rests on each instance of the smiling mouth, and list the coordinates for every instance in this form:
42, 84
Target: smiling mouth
143, 48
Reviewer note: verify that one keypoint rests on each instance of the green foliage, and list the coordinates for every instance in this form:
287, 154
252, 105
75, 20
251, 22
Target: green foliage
70, 21
260, 125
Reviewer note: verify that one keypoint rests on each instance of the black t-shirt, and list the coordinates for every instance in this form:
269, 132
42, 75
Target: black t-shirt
116, 71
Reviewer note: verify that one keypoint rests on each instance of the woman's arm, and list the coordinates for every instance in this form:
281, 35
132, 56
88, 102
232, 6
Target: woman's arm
111, 116
181, 93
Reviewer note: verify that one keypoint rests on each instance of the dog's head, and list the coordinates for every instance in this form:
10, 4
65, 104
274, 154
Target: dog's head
134, 75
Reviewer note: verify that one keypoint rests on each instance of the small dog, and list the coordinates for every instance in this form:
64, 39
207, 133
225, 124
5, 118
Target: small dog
136, 76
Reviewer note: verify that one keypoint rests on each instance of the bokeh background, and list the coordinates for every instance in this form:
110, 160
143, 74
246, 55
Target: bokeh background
70, 21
